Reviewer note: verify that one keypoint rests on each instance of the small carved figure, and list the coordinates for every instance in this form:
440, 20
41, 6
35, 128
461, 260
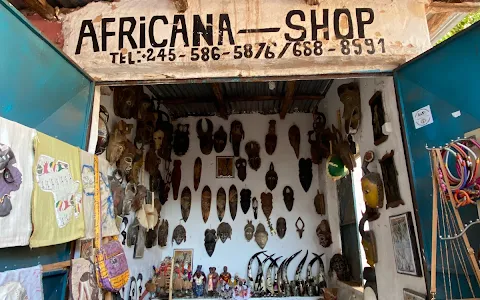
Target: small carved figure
225, 276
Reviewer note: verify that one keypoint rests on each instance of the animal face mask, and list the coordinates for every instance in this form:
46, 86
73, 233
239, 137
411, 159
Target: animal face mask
233, 201
249, 230
179, 234
221, 203
181, 141
245, 195
219, 140
116, 143
305, 173
281, 227
271, 138
210, 241
294, 137
271, 178
236, 136
350, 97
206, 203
288, 197
253, 151
205, 136
324, 234
186, 202
261, 236
197, 173
241, 165
224, 231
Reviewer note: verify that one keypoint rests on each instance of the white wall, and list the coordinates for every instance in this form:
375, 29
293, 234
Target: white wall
390, 283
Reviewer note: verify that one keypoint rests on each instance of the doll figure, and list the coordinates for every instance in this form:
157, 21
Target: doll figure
225, 276
198, 282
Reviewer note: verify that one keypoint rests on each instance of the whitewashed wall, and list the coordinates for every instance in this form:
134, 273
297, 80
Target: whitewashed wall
390, 283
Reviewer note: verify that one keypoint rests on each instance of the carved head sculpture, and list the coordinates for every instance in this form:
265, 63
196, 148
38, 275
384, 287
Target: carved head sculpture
125, 101
116, 143
319, 203
179, 234
324, 234
181, 141
206, 203
249, 230
158, 137
350, 97
224, 231
221, 204
261, 236
233, 201
103, 132
185, 203
241, 165
236, 136
197, 173
288, 197
294, 137
210, 241
267, 204
281, 227
271, 138
145, 129
163, 233
271, 178
245, 195
305, 173
252, 149
205, 135
339, 264
220, 140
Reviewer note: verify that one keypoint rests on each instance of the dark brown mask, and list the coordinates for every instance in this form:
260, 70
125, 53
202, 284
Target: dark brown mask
241, 165
220, 140
206, 203
116, 142
103, 132
271, 138
324, 234
145, 129
236, 136
294, 137
245, 200
271, 178
132, 232
350, 97
179, 234
164, 130
125, 101
255, 207
224, 231
181, 141
205, 136
152, 162
197, 173
186, 203
176, 177
249, 230
288, 197
163, 233
157, 185
281, 227
305, 173
253, 151
137, 166
261, 236
210, 241
151, 237
319, 203
221, 203
233, 201
267, 204
339, 265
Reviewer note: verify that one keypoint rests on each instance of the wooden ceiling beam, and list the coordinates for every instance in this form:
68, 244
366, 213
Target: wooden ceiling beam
180, 5
219, 102
436, 7
41, 7
288, 99
436, 21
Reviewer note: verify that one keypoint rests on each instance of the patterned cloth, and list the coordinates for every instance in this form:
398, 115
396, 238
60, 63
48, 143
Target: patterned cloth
83, 283
22, 284
15, 220
57, 209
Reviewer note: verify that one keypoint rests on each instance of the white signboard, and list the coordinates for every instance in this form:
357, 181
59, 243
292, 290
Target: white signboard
150, 40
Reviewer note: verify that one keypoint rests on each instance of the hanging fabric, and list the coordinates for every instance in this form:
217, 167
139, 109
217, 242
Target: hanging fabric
83, 283
24, 283
16, 225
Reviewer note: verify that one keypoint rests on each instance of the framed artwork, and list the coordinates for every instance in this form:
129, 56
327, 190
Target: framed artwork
225, 167
411, 295
405, 247
378, 118
182, 269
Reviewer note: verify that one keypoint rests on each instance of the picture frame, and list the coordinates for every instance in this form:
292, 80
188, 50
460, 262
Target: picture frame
378, 118
412, 295
225, 167
180, 257
405, 249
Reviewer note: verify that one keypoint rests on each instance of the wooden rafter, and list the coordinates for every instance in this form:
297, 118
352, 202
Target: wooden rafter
220, 103
181, 5
288, 99
436, 21
436, 7
41, 7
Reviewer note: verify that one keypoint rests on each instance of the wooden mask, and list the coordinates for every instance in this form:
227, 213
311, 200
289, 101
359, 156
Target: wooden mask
197, 173
339, 265
372, 185
137, 166
125, 101
319, 203
350, 97
314, 148
236, 136
125, 163
253, 151
288, 197
145, 129
179, 235
249, 230
281, 227
181, 141
305, 173
132, 232
116, 143
368, 242
241, 165
389, 172
324, 234
176, 177
267, 204
186, 203
221, 204
271, 178
271, 138
255, 207
224, 231
158, 141
151, 237
152, 162
261, 236
163, 233
210, 241
206, 203
219, 140
233, 201
205, 136
245, 195
294, 137
163, 135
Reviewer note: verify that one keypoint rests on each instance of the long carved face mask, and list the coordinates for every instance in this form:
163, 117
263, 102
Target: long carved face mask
158, 137
185, 203
197, 173
145, 129
253, 151
249, 230
241, 165
294, 137
221, 203
233, 201
271, 138
319, 203
210, 241
261, 236
181, 141
206, 203
219, 140
288, 197
179, 234
236, 136
163, 233
245, 195
205, 136
271, 178
350, 97
305, 173
267, 204
324, 234
281, 227
224, 231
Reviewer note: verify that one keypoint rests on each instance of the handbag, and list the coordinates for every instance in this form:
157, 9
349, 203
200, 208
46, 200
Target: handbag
110, 261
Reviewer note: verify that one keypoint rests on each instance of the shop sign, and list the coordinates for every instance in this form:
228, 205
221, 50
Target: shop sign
150, 40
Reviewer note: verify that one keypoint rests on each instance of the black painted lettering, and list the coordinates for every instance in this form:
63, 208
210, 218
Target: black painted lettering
323, 26
83, 34
126, 33
200, 30
179, 19
224, 25
130, 60
142, 32
151, 31
114, 56
123, 58
361, 22
340, 24
290, 25
106, 33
